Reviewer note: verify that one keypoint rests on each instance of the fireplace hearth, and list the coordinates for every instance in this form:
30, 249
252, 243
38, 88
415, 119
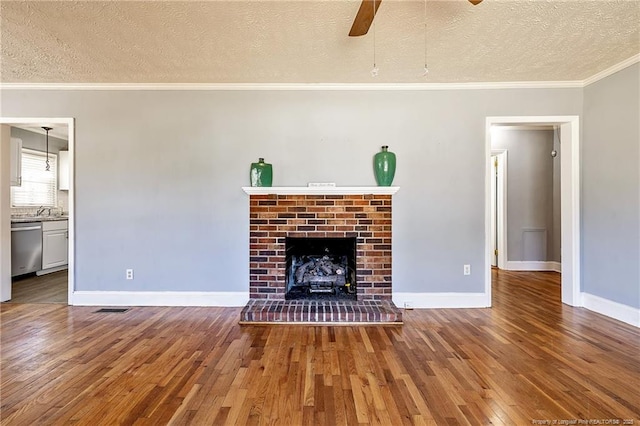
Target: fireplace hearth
320, 255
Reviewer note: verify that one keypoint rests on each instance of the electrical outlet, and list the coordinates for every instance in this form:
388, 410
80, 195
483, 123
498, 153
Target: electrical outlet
129, 274
408, 305
467, 269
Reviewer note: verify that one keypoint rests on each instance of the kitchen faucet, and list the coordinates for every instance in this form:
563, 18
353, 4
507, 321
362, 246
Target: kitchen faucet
42, 209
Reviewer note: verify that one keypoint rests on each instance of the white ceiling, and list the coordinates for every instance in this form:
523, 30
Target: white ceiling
60, 131
273, 41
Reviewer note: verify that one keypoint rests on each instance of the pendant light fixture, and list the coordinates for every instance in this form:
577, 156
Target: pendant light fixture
46, 129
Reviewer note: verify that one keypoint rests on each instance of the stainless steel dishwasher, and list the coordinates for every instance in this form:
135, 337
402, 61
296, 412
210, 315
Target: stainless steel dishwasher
26, 247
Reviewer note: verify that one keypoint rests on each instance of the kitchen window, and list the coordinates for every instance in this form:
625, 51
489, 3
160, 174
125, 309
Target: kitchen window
39, 186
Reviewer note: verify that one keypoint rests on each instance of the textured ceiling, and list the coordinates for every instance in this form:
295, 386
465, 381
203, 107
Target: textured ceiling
306, 41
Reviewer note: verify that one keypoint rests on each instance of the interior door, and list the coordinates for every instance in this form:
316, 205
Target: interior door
494, 209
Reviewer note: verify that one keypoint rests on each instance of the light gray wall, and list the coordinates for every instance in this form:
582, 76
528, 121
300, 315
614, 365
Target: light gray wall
158, 174
611, 188
530, 192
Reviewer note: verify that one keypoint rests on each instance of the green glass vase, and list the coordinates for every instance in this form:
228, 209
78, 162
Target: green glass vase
384, 166
261, 173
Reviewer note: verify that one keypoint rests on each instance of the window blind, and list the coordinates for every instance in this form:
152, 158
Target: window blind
39, 187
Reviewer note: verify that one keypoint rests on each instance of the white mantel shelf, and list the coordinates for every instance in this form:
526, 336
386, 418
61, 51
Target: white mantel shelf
335, 190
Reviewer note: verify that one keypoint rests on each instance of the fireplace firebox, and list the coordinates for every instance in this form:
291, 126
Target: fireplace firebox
320, 268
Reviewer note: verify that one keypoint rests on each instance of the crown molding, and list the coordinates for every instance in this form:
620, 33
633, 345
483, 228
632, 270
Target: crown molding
571, 84
294, 86
612, 70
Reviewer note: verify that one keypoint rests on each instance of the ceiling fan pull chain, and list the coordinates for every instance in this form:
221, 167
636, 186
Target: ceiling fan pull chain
426, 69
374, 71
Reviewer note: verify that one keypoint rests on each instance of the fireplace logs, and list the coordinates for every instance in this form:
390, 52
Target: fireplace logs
321, 275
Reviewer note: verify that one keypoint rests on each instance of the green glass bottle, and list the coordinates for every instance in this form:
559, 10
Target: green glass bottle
384, 166
261, 173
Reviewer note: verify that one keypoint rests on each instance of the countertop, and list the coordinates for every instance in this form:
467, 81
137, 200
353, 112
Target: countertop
23, 219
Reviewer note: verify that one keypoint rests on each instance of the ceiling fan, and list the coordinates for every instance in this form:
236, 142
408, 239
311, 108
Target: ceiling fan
366, 13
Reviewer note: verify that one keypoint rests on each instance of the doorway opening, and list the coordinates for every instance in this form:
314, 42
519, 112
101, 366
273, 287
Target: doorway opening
54, 274
568, 126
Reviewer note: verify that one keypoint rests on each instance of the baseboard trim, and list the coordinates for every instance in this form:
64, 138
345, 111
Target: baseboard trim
533, 266
441, 300
615, 310
159, 298
236, 299
555, 267
52, 270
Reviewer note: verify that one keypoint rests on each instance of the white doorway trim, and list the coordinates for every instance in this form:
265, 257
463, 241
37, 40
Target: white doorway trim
70, 123
569, 196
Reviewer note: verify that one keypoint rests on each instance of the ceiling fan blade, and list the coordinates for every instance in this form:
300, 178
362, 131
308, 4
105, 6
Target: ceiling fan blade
364, 17
475, 2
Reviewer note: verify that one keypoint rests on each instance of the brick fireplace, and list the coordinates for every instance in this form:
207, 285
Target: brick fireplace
293, 212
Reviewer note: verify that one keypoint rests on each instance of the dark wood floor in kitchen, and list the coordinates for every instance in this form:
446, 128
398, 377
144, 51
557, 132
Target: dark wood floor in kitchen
528, 358
49, 288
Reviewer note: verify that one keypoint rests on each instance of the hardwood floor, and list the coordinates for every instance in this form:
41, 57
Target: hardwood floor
528, 358
49, 288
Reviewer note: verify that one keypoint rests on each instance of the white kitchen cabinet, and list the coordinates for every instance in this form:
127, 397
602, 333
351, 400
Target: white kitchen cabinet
63, 170
55, 243
16, 162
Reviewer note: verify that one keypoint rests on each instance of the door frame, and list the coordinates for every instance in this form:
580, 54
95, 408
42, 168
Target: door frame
70, 123
569, 199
